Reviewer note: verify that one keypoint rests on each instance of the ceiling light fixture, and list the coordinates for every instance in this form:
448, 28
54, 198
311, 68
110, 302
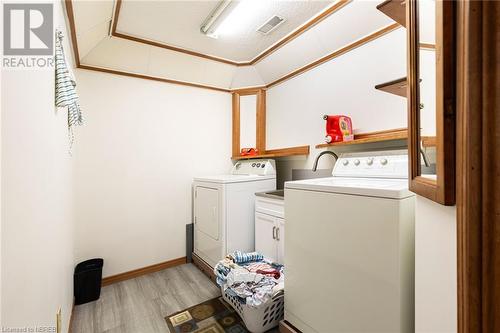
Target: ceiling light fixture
231, 17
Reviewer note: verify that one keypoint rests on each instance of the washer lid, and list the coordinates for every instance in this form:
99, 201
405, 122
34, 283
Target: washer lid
225, 179
374, 187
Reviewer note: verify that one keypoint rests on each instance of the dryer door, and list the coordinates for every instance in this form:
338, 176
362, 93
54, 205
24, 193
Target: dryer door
207, 211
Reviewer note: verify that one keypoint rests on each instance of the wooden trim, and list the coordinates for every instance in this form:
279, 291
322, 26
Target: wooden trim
173, 48
72, 27
114, 33
142, 271
290, 151
286, 327
274, 153
332, 9
478, 166
71, 20
204, 267
446, 99
260, 136
428, 141
370, 137
248, 91
153, 78
260, 118
297, 72
236, 124
441, 190
118, 7
427, 46
294, 34
337, 53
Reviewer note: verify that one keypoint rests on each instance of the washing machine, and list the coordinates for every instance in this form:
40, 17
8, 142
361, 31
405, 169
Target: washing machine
224, 208
350, 247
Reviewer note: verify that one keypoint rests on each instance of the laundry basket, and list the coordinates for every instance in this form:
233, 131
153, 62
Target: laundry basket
261, 318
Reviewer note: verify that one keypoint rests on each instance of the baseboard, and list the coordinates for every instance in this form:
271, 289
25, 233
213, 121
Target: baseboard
142, 271
204, 267
286, 327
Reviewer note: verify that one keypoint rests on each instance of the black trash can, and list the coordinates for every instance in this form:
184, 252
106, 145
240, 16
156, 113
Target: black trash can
87, 280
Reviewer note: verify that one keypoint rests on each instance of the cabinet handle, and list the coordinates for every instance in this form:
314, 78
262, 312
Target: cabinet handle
274, 229
277, 233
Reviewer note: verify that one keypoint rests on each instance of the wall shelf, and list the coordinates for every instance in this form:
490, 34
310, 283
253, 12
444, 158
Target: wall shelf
395, 9
396, 87
428, 141
274, 153
370, 137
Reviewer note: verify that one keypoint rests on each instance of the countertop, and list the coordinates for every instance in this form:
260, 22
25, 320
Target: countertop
278, 194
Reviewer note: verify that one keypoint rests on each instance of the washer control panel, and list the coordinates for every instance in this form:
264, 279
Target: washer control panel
254, 167
378, 164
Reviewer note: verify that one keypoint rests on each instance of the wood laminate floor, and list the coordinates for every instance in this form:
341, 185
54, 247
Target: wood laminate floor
140, 305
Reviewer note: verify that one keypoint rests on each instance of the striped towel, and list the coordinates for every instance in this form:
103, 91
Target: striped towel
66, 95
243, 257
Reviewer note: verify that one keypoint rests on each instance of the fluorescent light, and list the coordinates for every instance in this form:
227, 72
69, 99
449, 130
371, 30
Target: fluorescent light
240, 18
231, 17
213, 20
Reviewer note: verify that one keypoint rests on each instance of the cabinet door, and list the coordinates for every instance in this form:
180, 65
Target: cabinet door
280, 224
265, 231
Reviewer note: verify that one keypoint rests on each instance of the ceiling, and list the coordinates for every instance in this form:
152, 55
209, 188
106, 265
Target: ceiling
177, 23
96, 49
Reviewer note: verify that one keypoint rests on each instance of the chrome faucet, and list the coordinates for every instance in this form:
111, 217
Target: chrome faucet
315, 165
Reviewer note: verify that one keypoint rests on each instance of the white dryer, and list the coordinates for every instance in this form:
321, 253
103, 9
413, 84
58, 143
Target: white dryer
224, 208
350, 247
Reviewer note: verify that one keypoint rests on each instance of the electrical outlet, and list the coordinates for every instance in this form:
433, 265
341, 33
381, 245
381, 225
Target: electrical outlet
58, 321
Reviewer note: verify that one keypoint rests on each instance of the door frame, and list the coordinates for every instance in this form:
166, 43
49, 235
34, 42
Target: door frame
478, 166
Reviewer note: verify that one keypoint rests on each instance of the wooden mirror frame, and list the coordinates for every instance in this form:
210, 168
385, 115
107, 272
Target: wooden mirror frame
441, 190
260, 135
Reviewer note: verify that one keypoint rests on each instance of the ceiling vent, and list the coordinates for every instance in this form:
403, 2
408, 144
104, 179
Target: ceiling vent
271, 24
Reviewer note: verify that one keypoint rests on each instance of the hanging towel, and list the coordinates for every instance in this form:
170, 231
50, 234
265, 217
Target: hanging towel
66, 95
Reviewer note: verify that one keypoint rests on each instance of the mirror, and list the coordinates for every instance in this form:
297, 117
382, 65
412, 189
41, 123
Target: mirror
248, 121
431, 98
427, 86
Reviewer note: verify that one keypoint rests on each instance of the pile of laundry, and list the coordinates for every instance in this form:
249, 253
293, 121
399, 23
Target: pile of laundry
250, 277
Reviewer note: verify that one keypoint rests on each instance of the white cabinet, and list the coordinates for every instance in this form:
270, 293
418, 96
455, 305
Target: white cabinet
265, 230
270, 229
281, 240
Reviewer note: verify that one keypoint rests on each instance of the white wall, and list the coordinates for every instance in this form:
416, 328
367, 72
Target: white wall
143, 143
435, 268
344, 85
37, 212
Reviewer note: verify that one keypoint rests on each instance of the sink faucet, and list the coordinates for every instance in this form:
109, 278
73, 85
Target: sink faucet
315, 165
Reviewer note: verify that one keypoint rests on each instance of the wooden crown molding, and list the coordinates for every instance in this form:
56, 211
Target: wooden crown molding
152, 78
74, 42
71, 20
299, 71
291, 36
